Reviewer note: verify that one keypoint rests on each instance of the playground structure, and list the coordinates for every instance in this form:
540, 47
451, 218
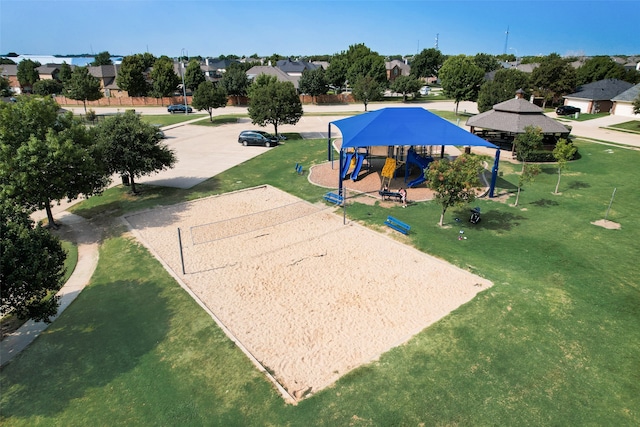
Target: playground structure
353, 164
397, 128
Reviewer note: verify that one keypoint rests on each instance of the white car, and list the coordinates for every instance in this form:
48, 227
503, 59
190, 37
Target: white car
424, 90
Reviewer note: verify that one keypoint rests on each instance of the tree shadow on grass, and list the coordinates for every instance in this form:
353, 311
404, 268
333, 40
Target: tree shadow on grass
577, 185
544, 203
103, 335
494, 219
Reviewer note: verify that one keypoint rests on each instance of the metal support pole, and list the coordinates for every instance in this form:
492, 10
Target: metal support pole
494, 174
609, 208
181, 255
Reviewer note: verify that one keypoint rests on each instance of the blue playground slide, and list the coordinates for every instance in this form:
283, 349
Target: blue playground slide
422, 162
356, 170
347, 165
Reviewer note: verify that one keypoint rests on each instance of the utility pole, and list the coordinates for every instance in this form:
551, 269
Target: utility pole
506, 41
437, 35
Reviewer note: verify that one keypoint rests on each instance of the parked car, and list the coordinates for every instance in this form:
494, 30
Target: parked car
257, 137
178, 108
565, 110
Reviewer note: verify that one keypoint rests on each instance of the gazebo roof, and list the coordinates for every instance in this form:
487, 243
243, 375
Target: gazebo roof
514, 116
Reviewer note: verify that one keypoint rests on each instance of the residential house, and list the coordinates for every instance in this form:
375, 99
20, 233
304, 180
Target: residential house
107, 75
623, 102
295, 68
253, 72
596, 96
10, 72
396, 68
49, 71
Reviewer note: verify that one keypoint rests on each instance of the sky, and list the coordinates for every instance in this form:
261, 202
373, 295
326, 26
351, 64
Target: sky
307, 27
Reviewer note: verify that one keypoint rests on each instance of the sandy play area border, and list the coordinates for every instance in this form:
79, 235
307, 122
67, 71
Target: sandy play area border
305, 296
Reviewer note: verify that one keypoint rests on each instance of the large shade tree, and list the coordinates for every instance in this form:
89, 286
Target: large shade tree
46, 156
314, 82
461, 79
454, 181
27, 73
193, 75
427, 63
273, 102
132, 147
367, 89
358, 61
502, 88
103, 58
132, 75
32, 261
406, 85
82, 86
209, 96
599, 68
235, 81
165, 80
554, 78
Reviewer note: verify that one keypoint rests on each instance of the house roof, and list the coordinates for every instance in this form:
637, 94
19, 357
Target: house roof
48, 69
253, 72
404, 68
628, 95
514, 116
403, 126
7, 70
602, 90
104, 71
289, 66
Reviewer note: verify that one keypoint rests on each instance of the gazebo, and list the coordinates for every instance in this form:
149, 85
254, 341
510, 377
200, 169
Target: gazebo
510, 118
403, 126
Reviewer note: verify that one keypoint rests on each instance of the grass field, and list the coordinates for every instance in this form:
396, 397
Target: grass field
554, 341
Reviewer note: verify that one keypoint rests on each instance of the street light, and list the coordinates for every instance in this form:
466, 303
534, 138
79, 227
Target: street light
184, 89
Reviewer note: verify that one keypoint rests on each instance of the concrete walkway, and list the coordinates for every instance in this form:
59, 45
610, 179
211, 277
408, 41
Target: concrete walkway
204, 152
87, 237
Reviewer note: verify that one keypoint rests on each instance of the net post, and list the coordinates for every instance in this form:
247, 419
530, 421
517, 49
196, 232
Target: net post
181, 255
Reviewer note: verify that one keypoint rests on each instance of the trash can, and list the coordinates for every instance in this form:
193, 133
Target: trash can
125, 179
467, 150
576, 115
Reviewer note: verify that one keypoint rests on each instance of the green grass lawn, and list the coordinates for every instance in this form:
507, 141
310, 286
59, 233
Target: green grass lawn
554, 341
169, 119
632, 125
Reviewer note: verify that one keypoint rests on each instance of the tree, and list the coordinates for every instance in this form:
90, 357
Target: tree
27, 73
273, 102
65, 73
5, 87
554, 78
32, 263
406, 85
563, 152
47, 87
235, 81
525, 144
82, 86
46, 156
209, 96
313, 82
487, 62
193, 75
461, 79
131, 76
454, 182
358, 61
132, 147
427, 63
599, 68
103, 58
367, 89
503, 87
165, 79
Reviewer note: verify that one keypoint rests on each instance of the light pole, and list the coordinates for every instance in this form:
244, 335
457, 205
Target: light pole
184, 89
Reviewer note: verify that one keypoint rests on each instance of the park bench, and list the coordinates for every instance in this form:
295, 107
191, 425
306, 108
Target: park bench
397, 225
385, 194
333, 198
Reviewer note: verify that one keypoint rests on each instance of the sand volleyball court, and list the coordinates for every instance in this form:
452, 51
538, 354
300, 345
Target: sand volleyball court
305, 296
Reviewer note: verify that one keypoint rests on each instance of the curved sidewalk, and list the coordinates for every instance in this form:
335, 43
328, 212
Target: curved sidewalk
87, 237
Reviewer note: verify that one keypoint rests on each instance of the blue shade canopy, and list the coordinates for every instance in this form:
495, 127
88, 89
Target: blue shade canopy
403, 126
